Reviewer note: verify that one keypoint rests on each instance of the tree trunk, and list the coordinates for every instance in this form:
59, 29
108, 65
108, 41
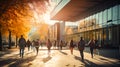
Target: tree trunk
9, 39
1, 41
16, 41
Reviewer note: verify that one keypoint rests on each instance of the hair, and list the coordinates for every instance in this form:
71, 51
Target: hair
21, 35
81, 38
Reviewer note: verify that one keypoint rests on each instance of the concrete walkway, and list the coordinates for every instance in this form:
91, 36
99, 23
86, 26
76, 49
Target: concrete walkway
56, 58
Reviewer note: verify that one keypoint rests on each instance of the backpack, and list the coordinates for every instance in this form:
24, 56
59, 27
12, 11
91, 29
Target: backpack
81, 45
92, 44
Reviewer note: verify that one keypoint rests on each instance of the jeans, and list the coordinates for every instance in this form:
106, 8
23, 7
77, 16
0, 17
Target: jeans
82, 55
91, 51
21, 52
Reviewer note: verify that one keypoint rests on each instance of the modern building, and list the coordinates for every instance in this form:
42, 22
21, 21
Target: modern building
56, 31
98, 19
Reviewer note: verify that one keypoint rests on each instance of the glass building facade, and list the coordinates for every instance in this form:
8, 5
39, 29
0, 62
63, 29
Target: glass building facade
103, 26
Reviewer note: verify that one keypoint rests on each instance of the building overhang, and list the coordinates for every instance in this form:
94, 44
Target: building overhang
75, 10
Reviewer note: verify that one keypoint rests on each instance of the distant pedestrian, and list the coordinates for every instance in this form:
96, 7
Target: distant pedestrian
58, 45
22, 43
71, 46
40, 43
81, 46
28, 44
91, 43
97, 46
32, 46
61, 44
49, 45
55, 44
36, 45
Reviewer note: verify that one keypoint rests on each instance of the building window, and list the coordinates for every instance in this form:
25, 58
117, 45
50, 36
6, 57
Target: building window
119, 12
104, 16
115, 13
109, 11
119, 15
97, 19
100, 18
93, 21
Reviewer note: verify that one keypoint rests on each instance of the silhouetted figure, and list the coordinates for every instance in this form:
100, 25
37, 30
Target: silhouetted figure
40, 43
55, 44
49, 45
81, 46
61, 44
22, 43
58, 45
28, 44
91, 43
37, 46
71, 46
97, 46
33, 45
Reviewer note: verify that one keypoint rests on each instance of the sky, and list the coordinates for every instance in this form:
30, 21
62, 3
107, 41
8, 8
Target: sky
46, 16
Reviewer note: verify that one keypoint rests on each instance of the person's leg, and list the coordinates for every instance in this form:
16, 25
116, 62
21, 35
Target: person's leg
91, 50
20, 52
82, 56
71, 50
37, 50
28, 48
48, 50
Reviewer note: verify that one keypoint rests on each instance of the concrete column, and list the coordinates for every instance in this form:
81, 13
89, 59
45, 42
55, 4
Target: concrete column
62, 30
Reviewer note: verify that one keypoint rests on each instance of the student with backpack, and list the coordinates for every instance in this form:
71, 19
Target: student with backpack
81, 46
91, 43
71, 46
28, 44
36, 44
49, 45
22, 43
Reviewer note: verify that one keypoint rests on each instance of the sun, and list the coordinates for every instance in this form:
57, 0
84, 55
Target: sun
46, 18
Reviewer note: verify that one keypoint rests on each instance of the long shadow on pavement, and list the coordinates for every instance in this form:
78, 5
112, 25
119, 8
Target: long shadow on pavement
46, 59
63, 53
20, 62
2, 53
7, 61
88, 63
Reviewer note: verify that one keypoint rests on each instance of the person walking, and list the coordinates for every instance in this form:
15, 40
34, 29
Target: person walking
71, 46
97, 46
49, 45
61, 44
58, 45
22, 43
91, 43
81, 46
28, 44
33, 46
55, 44
40, 43
37, 46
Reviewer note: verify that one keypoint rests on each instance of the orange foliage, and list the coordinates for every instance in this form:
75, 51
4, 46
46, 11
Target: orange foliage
17, 18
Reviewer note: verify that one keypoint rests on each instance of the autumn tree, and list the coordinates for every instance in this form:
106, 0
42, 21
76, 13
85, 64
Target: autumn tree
15, 16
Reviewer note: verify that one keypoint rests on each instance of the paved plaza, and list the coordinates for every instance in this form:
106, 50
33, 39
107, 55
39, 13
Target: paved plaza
57, 58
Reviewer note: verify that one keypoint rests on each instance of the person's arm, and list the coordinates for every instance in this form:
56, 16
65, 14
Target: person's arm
89, 43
